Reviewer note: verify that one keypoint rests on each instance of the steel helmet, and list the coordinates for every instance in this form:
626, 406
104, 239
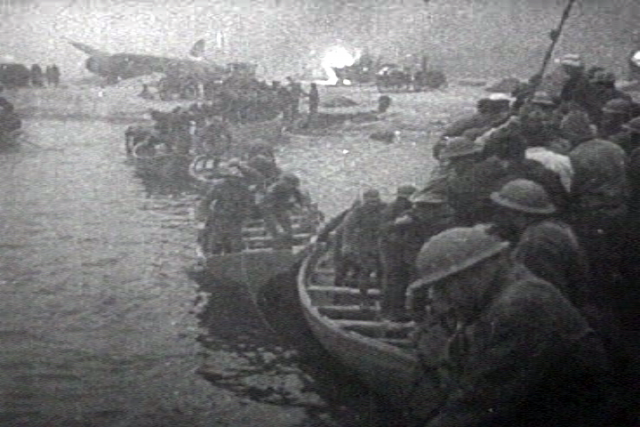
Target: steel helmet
406, 190
604, 77
431, 197
542, 98
370, 194
524, 195
291, 178
571, 60
633, 125
617, 106
459, 147
455, 250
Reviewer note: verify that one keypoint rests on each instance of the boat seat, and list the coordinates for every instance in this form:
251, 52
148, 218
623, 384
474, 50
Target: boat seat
347, 312
342, 290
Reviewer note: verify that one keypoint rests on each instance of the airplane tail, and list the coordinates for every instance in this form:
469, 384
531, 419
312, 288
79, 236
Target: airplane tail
197, 50
86, 49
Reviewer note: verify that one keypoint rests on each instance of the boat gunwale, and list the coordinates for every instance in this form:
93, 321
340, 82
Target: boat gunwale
309, 308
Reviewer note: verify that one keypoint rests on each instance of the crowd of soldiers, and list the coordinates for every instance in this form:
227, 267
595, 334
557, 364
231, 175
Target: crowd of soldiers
197, 129
518, 261
244, 100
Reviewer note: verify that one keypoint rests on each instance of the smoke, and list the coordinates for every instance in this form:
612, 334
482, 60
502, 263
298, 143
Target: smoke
475, 38
336, 57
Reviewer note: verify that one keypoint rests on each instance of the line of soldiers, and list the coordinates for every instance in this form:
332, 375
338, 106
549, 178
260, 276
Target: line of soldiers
202, 128
518, 261
198, 129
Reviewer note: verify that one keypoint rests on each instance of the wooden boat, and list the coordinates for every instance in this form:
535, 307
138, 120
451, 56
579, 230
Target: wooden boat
380, 352
261, 259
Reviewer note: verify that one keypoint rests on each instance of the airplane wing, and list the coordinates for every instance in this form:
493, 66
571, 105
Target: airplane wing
86, 49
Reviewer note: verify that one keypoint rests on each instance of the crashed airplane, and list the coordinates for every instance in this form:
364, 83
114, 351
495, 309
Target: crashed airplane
120, 66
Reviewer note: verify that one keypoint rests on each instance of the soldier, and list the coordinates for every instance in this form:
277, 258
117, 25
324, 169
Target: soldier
9, 120
214, 139
384, 102
47, 75
400, 241
615, 115
603, 90
296, 92
55, 75
489, 113
226, 205
360, 236
600, 194
543, 145
545, 245
3, 101
499, 346
314, 101
549, 248
37, 78
280, 197
401, 203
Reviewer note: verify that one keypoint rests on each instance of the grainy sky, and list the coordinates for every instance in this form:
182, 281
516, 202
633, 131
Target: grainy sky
464, 37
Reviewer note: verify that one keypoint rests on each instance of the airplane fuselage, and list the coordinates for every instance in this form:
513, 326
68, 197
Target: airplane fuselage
122, 66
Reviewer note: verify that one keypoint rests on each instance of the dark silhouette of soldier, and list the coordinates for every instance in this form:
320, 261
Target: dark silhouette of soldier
37, 78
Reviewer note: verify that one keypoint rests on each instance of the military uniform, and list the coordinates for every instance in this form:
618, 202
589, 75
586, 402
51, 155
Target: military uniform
507, 364
226, 206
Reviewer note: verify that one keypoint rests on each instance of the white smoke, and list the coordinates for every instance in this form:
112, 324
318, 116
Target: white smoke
336, 57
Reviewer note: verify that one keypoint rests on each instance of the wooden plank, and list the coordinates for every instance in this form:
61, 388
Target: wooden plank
348, 312
375, 325
342, 290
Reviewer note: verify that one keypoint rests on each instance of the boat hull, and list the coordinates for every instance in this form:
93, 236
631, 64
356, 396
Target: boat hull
251, 269
388, 370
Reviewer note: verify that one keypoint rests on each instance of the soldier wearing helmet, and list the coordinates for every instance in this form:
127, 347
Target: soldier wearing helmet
279, 199
494, 341
490, 112
600, 193
603, 90
543, 243
615, 113
360, 233
225, 206
400, 204
400, 241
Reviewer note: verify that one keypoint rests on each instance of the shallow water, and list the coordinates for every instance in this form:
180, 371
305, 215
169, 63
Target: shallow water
100, 323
